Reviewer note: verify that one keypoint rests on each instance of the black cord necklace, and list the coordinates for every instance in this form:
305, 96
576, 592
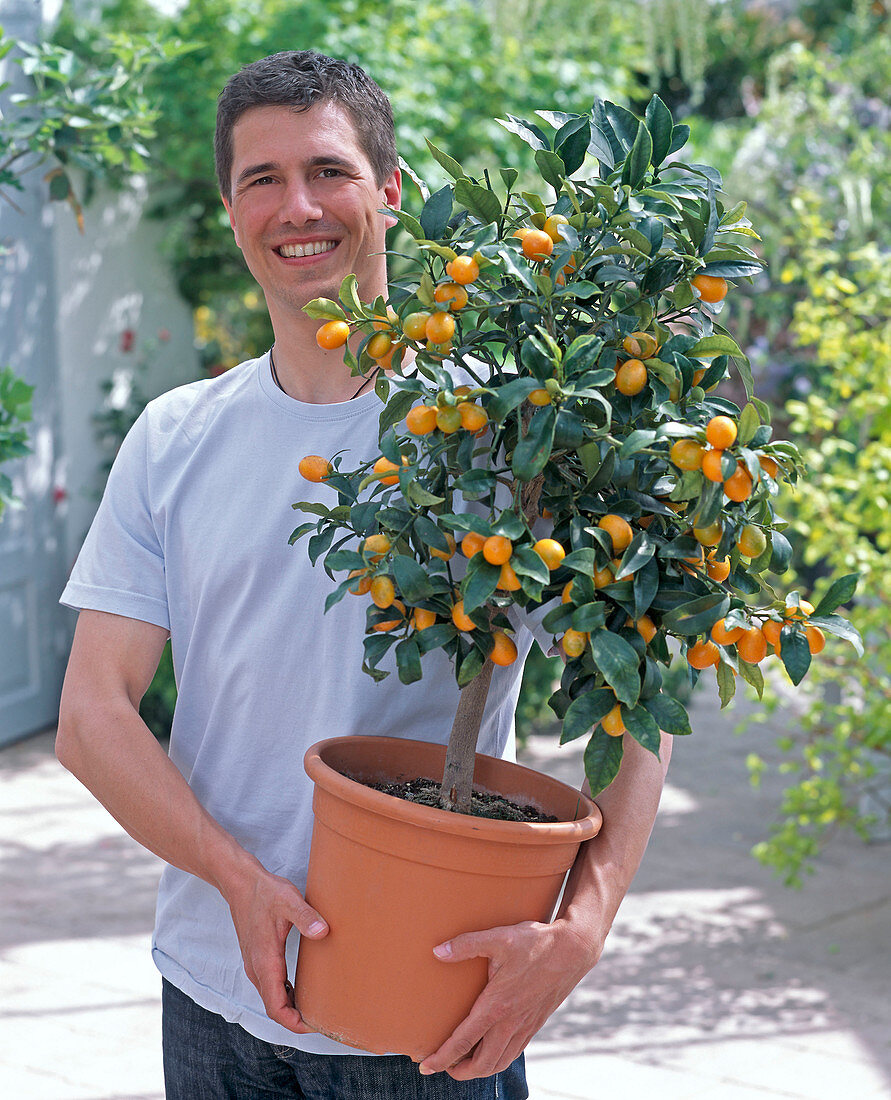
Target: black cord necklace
366, 378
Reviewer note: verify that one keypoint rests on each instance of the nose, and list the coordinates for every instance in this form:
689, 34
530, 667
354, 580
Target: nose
299, 205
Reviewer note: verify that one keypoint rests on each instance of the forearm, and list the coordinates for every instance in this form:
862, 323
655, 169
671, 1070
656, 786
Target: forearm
606, 865
111, 751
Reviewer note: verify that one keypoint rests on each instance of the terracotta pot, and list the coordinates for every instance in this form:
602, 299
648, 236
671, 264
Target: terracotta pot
394, 879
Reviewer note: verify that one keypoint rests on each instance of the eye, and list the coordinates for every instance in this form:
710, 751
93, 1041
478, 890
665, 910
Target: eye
330, 173
264, 179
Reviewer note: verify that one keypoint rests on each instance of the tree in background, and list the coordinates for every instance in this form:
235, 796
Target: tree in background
820, 158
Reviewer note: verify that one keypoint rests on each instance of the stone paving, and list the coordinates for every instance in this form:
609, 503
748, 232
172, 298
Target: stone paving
717, 983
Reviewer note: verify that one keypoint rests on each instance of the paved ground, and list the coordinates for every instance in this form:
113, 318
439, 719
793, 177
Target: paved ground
717, 981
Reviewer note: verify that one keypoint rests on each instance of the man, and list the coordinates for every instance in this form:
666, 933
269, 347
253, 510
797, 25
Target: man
190, 541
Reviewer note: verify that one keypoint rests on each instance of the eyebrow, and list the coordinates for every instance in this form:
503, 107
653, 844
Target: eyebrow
315, 162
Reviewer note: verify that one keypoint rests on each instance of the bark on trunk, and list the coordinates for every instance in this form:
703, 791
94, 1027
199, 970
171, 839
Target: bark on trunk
457, 782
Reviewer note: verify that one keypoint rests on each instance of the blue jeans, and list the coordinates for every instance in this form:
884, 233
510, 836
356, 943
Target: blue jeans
206, 1058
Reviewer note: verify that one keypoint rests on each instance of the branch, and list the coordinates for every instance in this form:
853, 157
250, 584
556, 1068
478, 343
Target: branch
457, 780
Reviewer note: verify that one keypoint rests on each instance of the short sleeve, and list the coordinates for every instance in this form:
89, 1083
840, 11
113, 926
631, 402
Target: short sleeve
120, 568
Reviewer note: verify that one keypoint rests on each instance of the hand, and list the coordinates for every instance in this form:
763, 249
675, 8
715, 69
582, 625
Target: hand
264, 908
532, 969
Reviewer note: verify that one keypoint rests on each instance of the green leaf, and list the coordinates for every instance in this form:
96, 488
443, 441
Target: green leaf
420, 497
636, 442
670, 715
300, 531
582, 353
323, 309
603, 757
470, 666
453, 168
430, 533
660, 124
526, 563
840, 592
643, 728
795, 653
436, 213
726, 683
410, 223
480, 201
619, 663
749, 423
412, 578
752, 675
396, 409
571, 143
714, 345
435, 637
408, 660
534, 449
479, 583
637, 162
697, 616
551, 167
585, 712
841, 628
528, 131
590, 616
640, 550
581, 561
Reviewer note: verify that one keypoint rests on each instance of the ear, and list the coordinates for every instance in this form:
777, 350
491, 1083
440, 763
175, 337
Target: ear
228, 206
392, 192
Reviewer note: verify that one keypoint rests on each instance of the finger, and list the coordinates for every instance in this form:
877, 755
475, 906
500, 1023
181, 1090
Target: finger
473, 945
305, 919
455, 1049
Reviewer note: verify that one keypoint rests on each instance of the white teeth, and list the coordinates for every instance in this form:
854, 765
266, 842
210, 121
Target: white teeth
313, 248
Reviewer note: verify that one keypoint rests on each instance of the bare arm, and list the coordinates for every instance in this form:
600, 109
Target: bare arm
533, 967
106, 745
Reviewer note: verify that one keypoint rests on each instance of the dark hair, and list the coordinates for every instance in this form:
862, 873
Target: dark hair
299, 79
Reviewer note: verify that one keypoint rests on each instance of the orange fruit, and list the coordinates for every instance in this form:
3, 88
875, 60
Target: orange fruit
445, 555
687, 454
508, 581
566, 596
379, 346
739, 485
363, 583
703, 655
473, 417
421, 618
612, 723
550, 551
816, 639
752, 646
376, 546
314, 468
618, 529
451, 295
415, 325
769, 465
552, 227
537, 245
712, 288
421, 420
448, 419
752, 541
718, 570
383, 466
631, 377
771, 629
462, 621
645, 627
497, 549
724, 635
440, 327
710, 535
721, 432
472, 543
463, 270
642, 345
504, 652
392, 624
603, 576
803, 610
574, 642
539, 397
383, 594
333, 334
711, 465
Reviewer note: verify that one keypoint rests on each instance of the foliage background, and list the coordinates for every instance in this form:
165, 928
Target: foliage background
787, 98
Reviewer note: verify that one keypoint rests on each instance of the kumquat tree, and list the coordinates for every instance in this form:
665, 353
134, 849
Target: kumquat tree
552, 442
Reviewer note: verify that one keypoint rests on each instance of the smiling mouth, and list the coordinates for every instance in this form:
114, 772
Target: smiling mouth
311, 248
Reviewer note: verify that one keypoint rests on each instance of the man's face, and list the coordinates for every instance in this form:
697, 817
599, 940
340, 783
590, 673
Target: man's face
305, 207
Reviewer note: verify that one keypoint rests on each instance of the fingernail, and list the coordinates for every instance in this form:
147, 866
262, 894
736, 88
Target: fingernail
443, 951
317, 928
425, 1071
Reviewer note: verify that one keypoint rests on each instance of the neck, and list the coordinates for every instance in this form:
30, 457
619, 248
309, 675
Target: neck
305, 371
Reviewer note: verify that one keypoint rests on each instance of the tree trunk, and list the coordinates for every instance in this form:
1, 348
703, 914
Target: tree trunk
457, 782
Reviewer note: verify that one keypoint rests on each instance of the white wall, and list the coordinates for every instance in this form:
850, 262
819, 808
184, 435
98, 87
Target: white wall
108, 280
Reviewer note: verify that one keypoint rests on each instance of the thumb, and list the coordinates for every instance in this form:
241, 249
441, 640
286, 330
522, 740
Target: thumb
306, 920
470, 945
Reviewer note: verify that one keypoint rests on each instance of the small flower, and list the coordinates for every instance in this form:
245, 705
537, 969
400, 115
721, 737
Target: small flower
128, 338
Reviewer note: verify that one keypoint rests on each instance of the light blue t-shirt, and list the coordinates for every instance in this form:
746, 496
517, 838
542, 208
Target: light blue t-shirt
192, 535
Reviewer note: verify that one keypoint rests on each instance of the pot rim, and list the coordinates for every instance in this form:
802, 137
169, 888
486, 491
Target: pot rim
583, 828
